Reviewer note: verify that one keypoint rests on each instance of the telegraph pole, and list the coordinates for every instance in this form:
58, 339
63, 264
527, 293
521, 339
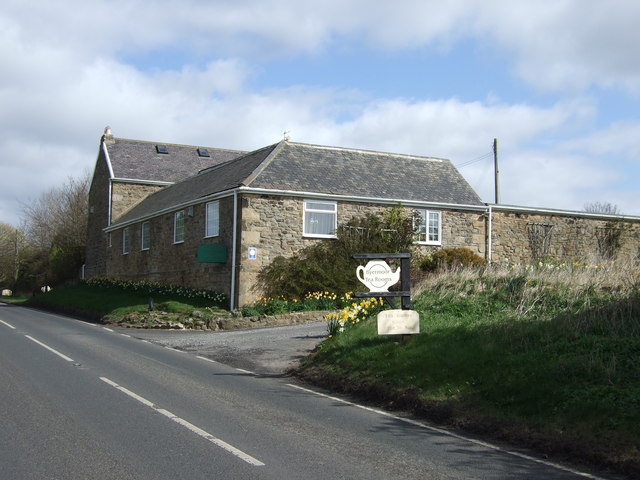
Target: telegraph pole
496, 170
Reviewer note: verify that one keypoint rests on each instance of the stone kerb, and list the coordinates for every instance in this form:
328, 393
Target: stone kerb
199, 321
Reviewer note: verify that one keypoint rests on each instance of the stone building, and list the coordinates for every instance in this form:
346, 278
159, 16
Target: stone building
171, 214
128, 171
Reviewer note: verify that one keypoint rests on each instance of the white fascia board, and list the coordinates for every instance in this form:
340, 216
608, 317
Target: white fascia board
108, 159
559, 212
173, 208
356, 199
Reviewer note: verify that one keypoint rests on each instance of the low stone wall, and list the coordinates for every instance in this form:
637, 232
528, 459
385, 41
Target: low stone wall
199, 321
270, 320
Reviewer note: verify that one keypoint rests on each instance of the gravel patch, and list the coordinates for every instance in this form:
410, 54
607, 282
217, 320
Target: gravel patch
267, 351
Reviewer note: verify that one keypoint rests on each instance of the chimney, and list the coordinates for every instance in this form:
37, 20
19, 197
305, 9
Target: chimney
108, 136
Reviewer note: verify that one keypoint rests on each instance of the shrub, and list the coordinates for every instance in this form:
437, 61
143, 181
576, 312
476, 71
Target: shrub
328, 265
449, 258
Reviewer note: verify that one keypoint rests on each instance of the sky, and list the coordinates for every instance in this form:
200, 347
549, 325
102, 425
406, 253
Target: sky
556, 82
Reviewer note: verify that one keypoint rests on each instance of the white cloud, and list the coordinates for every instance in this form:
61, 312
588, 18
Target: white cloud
563, 45
557, 44
66, 76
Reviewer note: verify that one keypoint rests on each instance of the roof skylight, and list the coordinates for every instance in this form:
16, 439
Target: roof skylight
162, 149
203, 152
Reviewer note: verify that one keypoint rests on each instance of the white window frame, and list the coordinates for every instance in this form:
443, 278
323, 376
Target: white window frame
178, 235
125, 240
145, 239
212, 219
426, 236
306, 223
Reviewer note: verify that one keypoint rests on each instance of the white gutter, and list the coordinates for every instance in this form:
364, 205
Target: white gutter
553, 211
234, 249
170, 209
350, 198
294, 193
490, 233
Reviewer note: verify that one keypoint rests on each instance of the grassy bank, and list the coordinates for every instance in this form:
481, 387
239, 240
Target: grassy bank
97, 302
548, 356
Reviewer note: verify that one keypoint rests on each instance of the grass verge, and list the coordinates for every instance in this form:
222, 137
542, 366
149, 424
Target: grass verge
99, 304
547, 358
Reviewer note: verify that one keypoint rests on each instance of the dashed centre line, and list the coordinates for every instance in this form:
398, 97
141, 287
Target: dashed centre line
190, 426
52, 350
7, 324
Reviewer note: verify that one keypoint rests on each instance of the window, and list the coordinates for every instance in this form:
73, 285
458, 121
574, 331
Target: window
320, 218
125, 241
145, 233
178, 227
429, 227
203, 152
212, 228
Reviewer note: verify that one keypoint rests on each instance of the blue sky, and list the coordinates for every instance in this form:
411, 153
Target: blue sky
557, 82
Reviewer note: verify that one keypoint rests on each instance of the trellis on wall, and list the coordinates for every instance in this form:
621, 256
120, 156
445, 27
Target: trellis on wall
608, 238
539, 239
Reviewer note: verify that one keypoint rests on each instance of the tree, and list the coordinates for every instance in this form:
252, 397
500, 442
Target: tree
601, 207
13, 255
56, 227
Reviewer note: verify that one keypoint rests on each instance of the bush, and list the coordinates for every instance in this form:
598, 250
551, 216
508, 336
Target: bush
328, 265
449, 258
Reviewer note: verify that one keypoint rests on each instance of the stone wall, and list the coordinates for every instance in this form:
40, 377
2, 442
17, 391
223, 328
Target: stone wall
273, 225
170, 263
522, 237
125, 196
98, 219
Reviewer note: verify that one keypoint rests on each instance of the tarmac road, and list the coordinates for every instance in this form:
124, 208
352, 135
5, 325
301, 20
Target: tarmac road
265, 351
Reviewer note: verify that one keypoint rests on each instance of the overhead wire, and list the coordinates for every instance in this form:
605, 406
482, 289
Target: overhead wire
475, 160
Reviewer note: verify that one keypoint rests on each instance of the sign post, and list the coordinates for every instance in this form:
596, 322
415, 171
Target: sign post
378, 276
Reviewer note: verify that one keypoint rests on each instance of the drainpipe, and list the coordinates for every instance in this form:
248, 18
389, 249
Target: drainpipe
234, 249
490, 234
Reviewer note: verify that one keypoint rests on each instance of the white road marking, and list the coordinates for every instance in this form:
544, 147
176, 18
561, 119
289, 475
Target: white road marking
245, 371
446, 432
52, 350
8, 325
108, 329
206, 359
193, 428
175, 349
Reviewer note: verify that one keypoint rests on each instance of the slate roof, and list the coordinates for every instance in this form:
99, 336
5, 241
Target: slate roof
218, 178
363, 173
139, 160
307, 168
